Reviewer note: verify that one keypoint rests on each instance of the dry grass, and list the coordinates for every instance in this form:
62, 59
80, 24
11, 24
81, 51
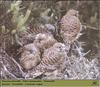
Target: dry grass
16, 17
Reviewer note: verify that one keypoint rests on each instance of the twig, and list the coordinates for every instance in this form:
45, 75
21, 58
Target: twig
15, 63
90, 27
9, 72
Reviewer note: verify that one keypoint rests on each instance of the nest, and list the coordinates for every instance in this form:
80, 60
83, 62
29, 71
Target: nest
77, 67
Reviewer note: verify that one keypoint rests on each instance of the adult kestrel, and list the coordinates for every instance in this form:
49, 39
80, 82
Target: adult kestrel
70, 26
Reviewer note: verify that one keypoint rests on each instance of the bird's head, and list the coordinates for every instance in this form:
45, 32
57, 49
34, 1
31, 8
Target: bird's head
30, 47
59, 46
73, 12
62, 47
40, 37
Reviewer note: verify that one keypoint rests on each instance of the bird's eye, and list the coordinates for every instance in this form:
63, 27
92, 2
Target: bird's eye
40, 40
31, 51
60, 47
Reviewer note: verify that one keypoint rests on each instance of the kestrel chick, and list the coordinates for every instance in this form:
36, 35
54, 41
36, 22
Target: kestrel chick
30, 56
70, 26
53, 59
28, 36
44, 41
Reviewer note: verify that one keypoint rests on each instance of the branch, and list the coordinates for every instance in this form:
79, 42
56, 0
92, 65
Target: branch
90, 27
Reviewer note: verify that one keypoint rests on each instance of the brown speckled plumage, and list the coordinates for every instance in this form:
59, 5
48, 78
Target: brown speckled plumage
30, 56
44, 41
53, 58
28, 36
70, 26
